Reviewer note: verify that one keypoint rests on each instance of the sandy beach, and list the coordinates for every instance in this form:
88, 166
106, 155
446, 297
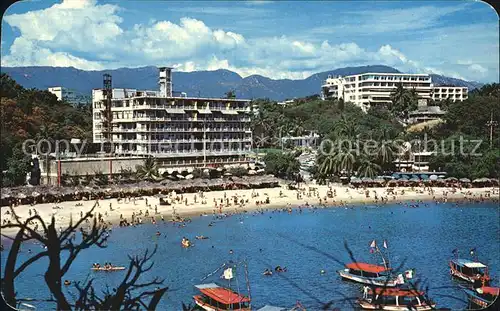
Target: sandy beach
148, 209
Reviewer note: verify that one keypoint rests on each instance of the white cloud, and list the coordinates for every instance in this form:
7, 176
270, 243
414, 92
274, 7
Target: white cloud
26, 53
62, 33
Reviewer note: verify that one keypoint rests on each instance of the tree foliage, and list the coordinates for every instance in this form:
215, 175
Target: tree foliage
34, 114
282, 164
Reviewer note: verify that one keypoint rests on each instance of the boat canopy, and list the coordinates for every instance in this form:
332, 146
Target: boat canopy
367, 267
396, 292
221, 294
469, 263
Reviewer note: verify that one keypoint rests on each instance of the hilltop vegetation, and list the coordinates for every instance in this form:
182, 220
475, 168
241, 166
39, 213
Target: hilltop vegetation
465, 124
34, 114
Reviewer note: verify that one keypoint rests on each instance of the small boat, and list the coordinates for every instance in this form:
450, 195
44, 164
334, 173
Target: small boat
483, 297
201, 237
216, 298
107, 268
394, 299
470, 271
366, 273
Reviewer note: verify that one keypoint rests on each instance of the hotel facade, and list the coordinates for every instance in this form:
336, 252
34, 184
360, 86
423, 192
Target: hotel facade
178, 131
368, 89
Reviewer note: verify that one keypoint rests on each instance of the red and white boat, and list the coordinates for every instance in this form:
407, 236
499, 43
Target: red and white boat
366, 273
216, 298
394, 299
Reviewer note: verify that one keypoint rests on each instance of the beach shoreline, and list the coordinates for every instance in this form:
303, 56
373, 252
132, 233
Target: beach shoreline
279, 198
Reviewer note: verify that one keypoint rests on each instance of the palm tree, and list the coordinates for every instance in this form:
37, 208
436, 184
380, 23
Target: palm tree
386, 147
327, 164
148, 170
368, 167
346, 127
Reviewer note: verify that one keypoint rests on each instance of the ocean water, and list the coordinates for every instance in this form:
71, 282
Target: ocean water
306, 243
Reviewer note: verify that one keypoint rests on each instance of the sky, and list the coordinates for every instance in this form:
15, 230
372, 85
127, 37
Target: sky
276, 39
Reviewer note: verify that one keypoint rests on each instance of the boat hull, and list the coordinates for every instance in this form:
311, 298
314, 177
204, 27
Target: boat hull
478, 303
108, 269
381, 282
365, 305
205, 306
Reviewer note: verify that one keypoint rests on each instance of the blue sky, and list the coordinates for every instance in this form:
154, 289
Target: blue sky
277, 39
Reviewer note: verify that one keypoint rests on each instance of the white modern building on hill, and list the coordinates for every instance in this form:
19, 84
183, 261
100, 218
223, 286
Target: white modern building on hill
63, 93
369, 89
178, 131
454, 93
68, 95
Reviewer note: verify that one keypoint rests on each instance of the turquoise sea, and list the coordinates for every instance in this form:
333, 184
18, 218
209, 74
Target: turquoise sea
306, 243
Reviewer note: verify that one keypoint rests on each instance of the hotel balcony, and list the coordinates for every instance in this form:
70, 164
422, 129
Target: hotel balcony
185, 153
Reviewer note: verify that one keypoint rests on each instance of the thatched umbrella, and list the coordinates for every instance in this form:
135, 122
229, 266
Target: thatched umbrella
464, 180
483, 180
392, 183
451, 179
379, 180
367, 180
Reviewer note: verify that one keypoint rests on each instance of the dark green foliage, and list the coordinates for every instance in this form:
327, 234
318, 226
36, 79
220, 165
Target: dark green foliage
35, 114
469, 119
282, 164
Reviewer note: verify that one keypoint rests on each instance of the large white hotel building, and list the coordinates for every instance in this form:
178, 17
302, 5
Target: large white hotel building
369, 89
178, 131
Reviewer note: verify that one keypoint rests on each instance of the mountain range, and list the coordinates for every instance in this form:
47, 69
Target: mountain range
197, 83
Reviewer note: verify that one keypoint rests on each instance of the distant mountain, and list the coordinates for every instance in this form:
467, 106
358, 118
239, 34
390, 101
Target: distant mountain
197, 83
439, 80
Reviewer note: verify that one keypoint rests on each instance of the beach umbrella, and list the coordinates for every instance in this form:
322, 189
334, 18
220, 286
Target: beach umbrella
356, 181
189, 176
433, 177
219, 169
228, 174
392, 183
379, 180
354, 178
494, 181
180, 176
35, 194
481, 180
442, 176
451, 179
424, 177
395, 175
415, 177
404, 177
366, 180
465, 180
252, 172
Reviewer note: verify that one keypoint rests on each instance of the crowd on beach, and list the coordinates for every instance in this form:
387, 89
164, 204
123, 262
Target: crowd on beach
226, 203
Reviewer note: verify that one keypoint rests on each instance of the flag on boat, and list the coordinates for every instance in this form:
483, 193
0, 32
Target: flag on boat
374, 244
472, 251
400, 279
385, 244
228, 273
409, 274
